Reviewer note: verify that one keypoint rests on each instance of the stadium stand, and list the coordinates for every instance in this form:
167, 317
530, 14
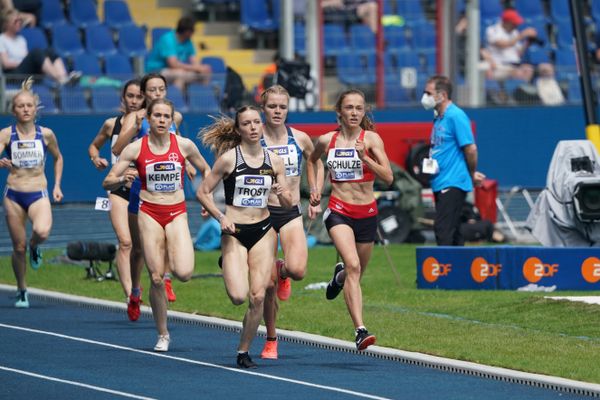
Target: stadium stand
66, 40
36, 38
52, 14
99, 41
83, 14
117, 15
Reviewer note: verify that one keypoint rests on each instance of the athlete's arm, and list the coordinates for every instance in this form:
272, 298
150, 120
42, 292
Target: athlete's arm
53, 149
120, 173
280, 185
222, 167
313, 165
379, 163
129, 128
4, 139
101, 138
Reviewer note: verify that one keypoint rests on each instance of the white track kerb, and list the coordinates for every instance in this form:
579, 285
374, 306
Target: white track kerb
440, 363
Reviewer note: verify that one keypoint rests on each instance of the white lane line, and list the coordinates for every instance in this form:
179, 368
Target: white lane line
189, 361
84, 385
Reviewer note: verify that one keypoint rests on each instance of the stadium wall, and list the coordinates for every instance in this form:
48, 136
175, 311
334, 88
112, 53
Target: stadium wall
515, 144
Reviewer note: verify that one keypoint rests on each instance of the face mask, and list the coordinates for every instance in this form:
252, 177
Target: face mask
428, 101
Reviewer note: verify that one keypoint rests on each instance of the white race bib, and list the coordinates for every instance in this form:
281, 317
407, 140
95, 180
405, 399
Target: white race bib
289, 154
27, 153
344, 164
164, 176
252, 190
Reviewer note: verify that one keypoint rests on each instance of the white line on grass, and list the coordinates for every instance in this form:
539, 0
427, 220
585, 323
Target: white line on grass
84, 385
187, 360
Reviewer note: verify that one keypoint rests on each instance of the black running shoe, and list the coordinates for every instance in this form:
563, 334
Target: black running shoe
334, 288
244, 361
364, 339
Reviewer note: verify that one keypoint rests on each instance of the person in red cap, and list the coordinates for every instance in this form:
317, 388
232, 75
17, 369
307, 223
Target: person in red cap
505, 46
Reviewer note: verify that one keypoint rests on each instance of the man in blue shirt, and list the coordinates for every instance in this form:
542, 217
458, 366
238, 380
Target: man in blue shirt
452, 161
174, 56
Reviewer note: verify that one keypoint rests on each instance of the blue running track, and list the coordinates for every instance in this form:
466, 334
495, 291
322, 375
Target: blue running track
66, 349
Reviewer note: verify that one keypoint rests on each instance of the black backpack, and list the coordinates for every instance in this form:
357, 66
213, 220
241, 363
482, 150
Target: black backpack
235, 91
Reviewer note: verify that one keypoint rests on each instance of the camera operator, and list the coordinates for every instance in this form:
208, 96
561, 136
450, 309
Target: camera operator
505, 47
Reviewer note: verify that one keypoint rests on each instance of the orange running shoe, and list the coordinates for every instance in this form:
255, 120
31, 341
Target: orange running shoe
270, 350
284, 286
133, 307
169, 290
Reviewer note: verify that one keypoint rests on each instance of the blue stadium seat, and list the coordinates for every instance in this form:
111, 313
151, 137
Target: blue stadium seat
118, 66
87, 63
408, 59
334, 40
564, 34
66, 40
362, 39
35, 37
560, 11
299, 39
565, 61
132, 41
388, 9
46, 99
531, 10
202, 99
176, 96
411, 10
255, 15
52, 14
352, 69
490, 11
105, 99
73, 100
536, 55
542, 31
574, 92
595, 9
424, 37
82, 13
397, 96
219, 71
395, 38
99, 41
116, 14
158, 32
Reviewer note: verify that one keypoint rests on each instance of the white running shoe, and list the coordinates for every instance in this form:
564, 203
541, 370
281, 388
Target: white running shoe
163, 343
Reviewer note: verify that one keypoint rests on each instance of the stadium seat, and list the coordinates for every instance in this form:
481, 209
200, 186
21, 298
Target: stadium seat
47, 101
132, 41
424, 37
176, 96
87, 63
595, 10
82, 13
564, 34
352, 69
105, 99
536, 55
73, 100
35, 37
52, 14
565, 61
411, 10
542, 31
116, 14
395, 38
255, 15
219, 71
300, 39
560, 11
202, 98
397, 96
334, 40
99, 41
574, 92
362, 39
118, 66
531, 10
66, 40
157, 33
490, 11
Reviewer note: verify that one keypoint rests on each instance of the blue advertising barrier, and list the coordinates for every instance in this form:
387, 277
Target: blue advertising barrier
508, 267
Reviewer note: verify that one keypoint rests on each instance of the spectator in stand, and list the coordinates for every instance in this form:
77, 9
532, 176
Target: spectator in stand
505, 46
16, 59
174, 56
351, 11
29, 10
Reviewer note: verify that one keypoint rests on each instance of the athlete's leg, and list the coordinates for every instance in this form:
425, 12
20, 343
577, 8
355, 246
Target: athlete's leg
15, 221
119, 219
180, 248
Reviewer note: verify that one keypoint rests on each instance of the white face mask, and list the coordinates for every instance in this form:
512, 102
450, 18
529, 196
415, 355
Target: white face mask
428, 101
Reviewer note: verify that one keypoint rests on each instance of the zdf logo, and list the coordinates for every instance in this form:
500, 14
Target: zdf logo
481, 269
534, 269
432, 269
590, 269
